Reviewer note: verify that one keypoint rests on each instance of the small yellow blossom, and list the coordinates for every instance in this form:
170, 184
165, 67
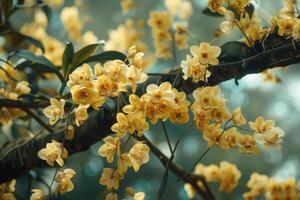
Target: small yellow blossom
55, 110
237, 117
64, 181
81, 114
69, 133
109, 148
124, 162
110, 178
257, 183
261, 125
229, 176
211, 173
111, 196
270, 138
23, 88
206, 54
54, 152
247, 144
191, 192
80, 75
227, 26
139, 196
37, 195
139, 154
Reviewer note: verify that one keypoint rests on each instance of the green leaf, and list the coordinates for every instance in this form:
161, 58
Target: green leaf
250, 10
67, 58
106, 56
29, 39
81, 55
38, 63
208, 12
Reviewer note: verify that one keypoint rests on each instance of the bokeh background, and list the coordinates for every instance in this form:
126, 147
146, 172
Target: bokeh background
280, 102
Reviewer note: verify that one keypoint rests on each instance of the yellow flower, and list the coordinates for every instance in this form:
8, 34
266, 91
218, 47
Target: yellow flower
191, 192
212, 134
81, 114
227, 26
87, 94
124, 162
37, 195
64, 181
111, 196
55, 110
270, 138
122, 125
126, 5
247, 144
138, 123
211, 173
54, 152
109, 148
261, 125
139, 196
191, 68
106, 87
285, 27
257, 183
116, 71
229, 176
206, 54
296, 29
160, 93
160, 19
136, 104
23, 88
80, 75
71, 21
237, 117
215, 5
229, 139
274, 187
288, 11
135, 76
110, 178
139, 154
288, 185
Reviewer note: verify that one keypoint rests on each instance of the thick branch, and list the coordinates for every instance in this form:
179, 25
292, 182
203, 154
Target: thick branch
18, 158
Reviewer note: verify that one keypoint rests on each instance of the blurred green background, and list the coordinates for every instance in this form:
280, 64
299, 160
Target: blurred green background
280, 102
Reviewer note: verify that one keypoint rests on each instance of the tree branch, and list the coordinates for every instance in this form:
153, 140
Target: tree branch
17, 158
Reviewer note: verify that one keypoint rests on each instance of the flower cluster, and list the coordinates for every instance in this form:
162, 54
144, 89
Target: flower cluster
64, 181
195, 66
210, 112
90, 87
54, 152
226, 174
13, 89
263, 186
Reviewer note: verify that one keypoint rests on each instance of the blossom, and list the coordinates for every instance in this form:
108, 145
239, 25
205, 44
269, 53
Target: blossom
135, 76
257, 183
86, 94
139, 196
69, 133
139, 154
110, 178
159, 93
122, 125
261, 125
191, 192
111, 196
206, 54
247, 144
211, 173
23, 88
191, 68
109, 148
124, 162
272, 137
89, 38
64, 180
81, 114
227, 26
55, 110
229, 176
80, 75
54, 152
237, 117
71, 21
37, 194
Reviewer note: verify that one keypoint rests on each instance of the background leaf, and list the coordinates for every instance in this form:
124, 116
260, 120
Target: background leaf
67, 58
